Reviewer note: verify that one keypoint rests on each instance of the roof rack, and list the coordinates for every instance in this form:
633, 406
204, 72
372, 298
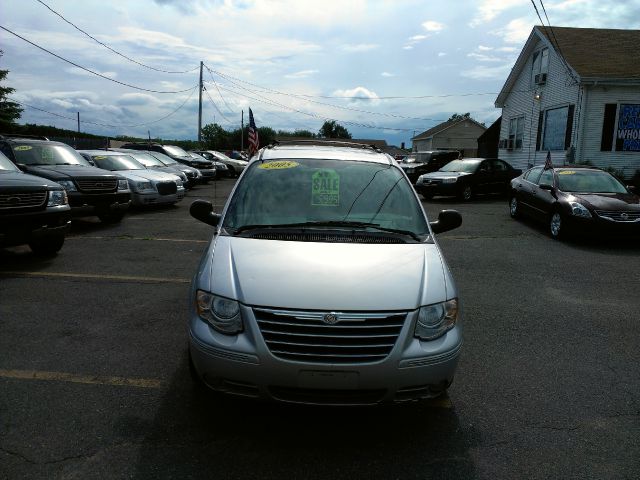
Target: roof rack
323, 142
20, 135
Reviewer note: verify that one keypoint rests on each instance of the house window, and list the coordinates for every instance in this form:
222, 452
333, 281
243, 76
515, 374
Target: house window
555, 128
540, 67
516, 131
626, 137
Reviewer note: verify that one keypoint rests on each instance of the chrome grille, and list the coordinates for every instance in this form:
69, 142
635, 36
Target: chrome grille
618, 216
97, 185
304, 336
22, 200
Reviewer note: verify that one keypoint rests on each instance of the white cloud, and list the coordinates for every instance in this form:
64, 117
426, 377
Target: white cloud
442, 54
482, 48
488, 73
301, 74
418, 38
137, 99
408, 47
431, 26
507, 49
483, 58
490, 9
516, 31
387, 74
358, 92
362, 47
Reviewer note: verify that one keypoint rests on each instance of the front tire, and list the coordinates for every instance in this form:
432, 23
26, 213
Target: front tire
514, 208
466, 193
556, 225
46, 247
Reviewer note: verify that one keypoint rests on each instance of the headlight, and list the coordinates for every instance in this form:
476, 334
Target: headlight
435, 320
57, 198
409, 170
140, 186
68, 185
450, 180
123, 184
179, 183
221, 313
579, 210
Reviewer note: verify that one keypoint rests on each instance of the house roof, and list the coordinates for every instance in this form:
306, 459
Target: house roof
593, 54
597, 52
443, 126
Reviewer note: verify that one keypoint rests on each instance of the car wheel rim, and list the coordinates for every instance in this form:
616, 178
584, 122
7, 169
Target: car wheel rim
513, 207
466, 193
556, 223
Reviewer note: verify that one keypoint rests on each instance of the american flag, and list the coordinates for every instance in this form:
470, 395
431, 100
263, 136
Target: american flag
254, 142
547, 162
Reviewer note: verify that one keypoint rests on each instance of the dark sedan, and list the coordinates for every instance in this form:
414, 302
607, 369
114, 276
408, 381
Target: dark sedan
466, 177
575, 199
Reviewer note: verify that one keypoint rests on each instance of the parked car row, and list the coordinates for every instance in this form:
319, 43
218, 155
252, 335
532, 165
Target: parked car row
43, 184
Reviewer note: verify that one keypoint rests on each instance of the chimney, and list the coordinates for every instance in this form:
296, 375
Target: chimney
402, 145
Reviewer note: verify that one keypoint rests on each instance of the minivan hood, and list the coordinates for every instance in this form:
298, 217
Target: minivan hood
325, 276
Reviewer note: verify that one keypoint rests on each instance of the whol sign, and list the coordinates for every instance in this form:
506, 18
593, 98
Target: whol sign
628, 133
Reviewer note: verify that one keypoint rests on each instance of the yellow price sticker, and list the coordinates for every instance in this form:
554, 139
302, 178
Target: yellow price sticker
22, 148
278, 165
99, 157
567, 172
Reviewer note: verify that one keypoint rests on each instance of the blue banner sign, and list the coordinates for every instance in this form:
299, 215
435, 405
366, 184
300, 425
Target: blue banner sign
628, 133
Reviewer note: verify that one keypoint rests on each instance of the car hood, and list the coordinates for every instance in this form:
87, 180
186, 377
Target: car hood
138, 175
439, 174
609, 201
406, 165
65, 172
17, 180
325, 276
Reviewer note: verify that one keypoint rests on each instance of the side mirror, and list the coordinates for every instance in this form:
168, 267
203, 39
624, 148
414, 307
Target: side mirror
545, 186
203, 211
447, 220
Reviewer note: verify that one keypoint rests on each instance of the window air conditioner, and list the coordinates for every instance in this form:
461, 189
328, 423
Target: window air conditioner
540, 78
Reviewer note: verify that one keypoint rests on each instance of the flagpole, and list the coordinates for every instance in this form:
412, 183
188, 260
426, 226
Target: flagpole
200, 108
242, 131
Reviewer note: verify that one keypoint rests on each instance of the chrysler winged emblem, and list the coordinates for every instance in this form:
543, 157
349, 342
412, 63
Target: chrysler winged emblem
330, 318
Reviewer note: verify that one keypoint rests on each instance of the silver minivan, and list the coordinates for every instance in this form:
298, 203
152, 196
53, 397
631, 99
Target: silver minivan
323, 283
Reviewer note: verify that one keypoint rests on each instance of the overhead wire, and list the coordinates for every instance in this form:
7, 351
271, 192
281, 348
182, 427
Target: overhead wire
91, 71
216, 107
108, 47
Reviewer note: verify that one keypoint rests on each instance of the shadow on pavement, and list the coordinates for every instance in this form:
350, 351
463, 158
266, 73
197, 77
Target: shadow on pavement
197, 435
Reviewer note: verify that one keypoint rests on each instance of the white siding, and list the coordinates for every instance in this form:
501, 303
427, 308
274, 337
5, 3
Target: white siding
559, 91
462, 136
591, 135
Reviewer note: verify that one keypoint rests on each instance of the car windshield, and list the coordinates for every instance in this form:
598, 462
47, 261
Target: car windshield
148, 159
177, 151
7, 165
328, 193
48, 154
460, 166
117, 162
222, 156
165, 159
588, 181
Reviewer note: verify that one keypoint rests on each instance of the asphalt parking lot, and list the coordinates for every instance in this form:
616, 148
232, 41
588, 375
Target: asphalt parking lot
94, 380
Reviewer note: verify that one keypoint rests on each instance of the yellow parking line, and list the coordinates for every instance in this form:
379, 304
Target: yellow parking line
96, 237
127, 278
86, 379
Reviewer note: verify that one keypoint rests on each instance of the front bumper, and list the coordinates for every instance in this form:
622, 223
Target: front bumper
21, 228
99, 203
243, 365
598, 226
433, 189
142, 199
208, 174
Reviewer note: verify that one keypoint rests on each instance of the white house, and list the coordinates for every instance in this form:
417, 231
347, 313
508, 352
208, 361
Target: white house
458, 134
574, 92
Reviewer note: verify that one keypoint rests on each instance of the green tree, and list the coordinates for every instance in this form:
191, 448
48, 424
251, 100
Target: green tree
297, 133
9, 111
215, 137
458, 116
332, 129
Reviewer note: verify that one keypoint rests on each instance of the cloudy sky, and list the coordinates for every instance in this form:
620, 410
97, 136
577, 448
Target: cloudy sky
385, 69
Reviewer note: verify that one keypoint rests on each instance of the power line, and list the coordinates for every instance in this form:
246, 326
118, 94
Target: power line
108, 47
106, 124
216, 107
352, 109
91, 71
216, 84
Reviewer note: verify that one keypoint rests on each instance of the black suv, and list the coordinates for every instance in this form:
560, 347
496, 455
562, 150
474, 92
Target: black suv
179, 155
419, 163
33, 210
91, 191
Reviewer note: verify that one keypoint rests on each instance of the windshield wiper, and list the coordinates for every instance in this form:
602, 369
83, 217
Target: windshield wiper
330, 223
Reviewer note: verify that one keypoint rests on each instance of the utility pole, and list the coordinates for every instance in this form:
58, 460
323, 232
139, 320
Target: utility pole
200, 107
242, 131
78, 122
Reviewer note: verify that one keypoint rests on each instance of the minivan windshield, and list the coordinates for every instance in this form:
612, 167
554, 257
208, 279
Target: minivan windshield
325, 193
48, 154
